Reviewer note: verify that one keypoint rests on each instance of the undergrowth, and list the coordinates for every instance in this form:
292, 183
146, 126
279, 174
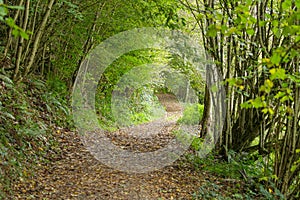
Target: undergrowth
30, 114
257, 177
192, 114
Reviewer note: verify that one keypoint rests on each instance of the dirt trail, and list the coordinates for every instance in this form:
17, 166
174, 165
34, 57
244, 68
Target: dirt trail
75, 174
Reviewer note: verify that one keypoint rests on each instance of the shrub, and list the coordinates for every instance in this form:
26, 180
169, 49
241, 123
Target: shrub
192, 114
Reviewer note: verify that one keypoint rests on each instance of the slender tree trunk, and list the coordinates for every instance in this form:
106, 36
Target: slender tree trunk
9, 40
32, 25
206, 111
38, 38
21, 41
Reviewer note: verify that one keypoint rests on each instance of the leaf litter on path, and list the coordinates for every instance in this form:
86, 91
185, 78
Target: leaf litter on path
75, 174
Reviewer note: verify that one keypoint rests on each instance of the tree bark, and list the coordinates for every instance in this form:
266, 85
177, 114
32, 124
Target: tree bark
21, 41
38, 38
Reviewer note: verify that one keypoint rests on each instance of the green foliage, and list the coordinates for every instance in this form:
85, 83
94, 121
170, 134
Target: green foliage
187, 138
4, 11
192, 114
28, 112
260, 49
130, 76
220, 192
69, 46
17, 31
197, 143
214, 191
257, 177
59, 87
189, 72
183, 137
142, 107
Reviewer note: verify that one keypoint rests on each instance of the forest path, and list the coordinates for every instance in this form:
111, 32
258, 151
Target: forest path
75, 174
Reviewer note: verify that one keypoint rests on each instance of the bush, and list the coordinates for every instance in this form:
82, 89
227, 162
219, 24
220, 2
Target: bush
258, 182
192, 114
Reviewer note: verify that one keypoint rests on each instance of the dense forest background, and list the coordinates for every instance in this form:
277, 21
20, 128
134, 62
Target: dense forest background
254, 45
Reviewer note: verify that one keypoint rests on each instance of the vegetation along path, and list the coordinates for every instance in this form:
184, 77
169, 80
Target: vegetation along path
74, 173
250, 46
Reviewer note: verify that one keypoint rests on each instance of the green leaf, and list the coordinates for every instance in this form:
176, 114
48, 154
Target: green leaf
6, 79
284, 98
262, 23
231, 30
16, 7
6, 114
265, 110
212, 31
15, 32
277, 73
277, 32
269, 83
257, 102
10, 22
268, 110
279, 95
265, 178
246, 105
214, 88
3, 11
231, 81
250, 31
200, 16
275, 59
297, 2
286, 4
293, 168
271, 111
275, 22
24, 35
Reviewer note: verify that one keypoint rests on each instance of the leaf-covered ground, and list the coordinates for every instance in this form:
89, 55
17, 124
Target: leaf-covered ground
73, 173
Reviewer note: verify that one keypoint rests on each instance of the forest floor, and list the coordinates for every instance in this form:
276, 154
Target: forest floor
74, 173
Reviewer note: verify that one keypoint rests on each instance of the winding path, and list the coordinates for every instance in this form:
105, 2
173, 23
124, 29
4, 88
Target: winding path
73, 173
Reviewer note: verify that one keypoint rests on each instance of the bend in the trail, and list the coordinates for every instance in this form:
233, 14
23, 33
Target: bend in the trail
75, 174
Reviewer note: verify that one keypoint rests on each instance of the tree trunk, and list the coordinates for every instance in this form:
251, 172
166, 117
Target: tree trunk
38, 38
21, 41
